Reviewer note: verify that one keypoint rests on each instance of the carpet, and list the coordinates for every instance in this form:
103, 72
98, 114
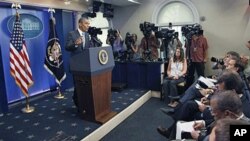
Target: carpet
56, 119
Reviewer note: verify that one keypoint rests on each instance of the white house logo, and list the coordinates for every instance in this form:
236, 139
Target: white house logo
32, 25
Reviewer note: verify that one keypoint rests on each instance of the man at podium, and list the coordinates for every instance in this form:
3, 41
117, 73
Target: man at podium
77, 41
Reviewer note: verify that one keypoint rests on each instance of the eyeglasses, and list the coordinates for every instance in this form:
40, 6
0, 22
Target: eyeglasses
213, 110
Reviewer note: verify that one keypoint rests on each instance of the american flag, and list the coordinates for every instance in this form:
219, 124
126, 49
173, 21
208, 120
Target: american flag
19, 58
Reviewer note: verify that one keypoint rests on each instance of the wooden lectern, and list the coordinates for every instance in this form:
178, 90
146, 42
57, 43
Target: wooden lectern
92, 71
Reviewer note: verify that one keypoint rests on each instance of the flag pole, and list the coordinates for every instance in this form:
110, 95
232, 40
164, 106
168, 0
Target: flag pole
51, 11
59, 95
27, 108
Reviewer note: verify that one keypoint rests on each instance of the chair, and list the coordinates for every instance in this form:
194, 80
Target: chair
181, 87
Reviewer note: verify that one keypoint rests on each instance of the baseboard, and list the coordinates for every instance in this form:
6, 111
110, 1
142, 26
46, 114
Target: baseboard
115, 121
156, 94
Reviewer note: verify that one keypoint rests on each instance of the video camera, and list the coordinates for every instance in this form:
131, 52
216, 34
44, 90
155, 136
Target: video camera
111, 35
147, 28
189, 30
217, 62
166, 34
93, 31
129, 39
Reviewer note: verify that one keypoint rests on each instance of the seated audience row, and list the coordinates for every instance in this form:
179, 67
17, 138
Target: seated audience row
187, 109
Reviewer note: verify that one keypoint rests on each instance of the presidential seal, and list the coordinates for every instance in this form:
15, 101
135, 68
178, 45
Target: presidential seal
103, 57
54, 54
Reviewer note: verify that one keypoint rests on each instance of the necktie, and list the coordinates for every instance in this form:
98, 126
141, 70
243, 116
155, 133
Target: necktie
83, 40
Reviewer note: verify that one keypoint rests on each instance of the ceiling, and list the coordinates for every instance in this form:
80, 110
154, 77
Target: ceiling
113, 2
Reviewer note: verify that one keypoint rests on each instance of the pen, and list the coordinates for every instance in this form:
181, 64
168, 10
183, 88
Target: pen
194, 125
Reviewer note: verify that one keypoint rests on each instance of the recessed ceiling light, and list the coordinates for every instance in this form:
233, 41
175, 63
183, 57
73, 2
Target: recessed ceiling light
134, 1
67, 2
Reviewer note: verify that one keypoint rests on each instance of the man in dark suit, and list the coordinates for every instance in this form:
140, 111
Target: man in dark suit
226, 104
77, 41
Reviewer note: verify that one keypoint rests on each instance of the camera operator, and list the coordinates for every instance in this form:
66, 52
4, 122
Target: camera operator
153, 45
218, 63
246, 74
245, 61
173, 44
116, 41
198, 52
222, 63
132, 47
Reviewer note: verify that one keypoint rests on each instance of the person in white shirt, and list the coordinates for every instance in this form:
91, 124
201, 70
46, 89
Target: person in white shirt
177, 68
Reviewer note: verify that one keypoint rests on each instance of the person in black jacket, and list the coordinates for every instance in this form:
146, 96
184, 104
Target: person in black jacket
77, 41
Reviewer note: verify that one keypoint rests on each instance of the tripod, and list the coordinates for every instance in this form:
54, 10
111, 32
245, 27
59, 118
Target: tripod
147, 52
190, 77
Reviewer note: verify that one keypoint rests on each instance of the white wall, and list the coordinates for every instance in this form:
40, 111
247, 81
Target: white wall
52, 4
226, 24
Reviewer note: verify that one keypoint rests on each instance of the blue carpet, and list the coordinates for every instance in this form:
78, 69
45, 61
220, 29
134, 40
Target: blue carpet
142, 124
56, 120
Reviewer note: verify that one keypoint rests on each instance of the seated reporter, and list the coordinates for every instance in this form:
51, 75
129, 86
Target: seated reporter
176, 71
231, 79
222, 65
231, 62
226, 104
191, 110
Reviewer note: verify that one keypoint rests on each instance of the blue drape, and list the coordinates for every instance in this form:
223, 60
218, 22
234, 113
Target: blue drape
36, 47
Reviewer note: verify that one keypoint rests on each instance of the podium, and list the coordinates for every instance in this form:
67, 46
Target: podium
92, 72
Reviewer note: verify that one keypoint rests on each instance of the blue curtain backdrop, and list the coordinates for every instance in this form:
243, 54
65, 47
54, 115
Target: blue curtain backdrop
64, 24
3, 98
36, 47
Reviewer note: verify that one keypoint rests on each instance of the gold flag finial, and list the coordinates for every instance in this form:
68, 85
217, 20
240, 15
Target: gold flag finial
16, 6
51, 11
